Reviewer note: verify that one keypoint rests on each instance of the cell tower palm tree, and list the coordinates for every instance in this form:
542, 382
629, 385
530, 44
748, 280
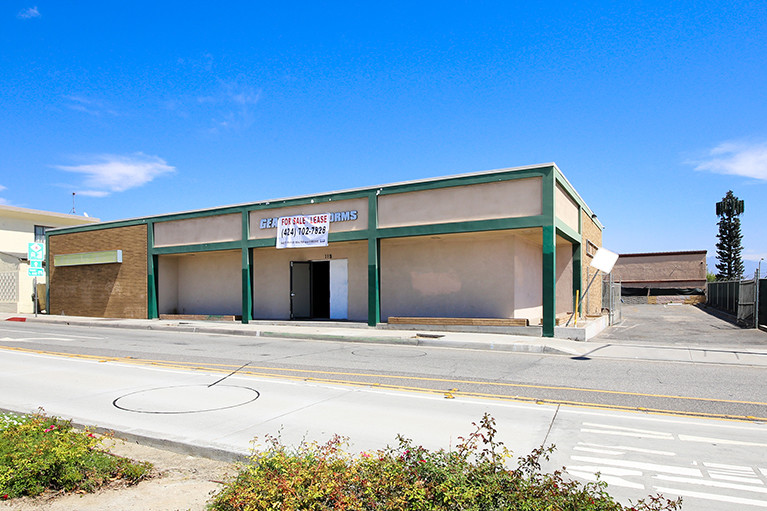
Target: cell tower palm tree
729, 246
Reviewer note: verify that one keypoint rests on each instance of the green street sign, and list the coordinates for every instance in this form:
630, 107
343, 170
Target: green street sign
36, 252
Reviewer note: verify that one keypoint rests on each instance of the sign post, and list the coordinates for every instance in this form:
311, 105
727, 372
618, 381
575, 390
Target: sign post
36, 256
604, 260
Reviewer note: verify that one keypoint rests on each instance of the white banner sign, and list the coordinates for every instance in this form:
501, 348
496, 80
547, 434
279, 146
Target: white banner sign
303, 231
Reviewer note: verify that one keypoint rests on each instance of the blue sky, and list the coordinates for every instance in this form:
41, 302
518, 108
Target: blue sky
652, 110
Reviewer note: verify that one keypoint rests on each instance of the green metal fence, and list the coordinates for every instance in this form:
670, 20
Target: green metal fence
726, 295
723, 295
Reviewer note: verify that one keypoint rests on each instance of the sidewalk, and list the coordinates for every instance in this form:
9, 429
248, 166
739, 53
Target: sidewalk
594, 348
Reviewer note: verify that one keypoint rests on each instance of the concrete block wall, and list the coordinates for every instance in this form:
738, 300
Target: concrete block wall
117, 290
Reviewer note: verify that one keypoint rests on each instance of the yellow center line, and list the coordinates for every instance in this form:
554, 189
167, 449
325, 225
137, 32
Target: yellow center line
322, 377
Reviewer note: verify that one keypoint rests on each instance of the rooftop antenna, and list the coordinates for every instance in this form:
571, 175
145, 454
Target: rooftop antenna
72, 212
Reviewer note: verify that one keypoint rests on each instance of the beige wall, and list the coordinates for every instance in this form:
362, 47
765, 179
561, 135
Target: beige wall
271, 277
462, 275
201, 283
17, 226
167, 284
669, 269
358, 205
210, 229
500, 199
566, 208
528, 276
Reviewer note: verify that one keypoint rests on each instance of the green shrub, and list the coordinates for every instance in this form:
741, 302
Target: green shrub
39, 453
473, 476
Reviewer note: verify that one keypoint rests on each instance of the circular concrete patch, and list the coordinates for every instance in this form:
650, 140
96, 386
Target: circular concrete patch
186, 399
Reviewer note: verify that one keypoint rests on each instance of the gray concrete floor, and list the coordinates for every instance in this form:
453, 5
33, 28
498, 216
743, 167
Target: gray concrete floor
680, 324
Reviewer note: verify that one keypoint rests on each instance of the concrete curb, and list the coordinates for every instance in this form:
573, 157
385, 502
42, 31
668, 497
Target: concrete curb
213, 453
412, 339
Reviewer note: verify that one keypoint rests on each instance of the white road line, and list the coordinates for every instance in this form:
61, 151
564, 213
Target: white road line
708, 482
712, 496
624, 428
626, 433
736, 468
611, 471
724, 477
32, 339
27, 331
641, 465
627, 448
597, 451
611, 480
709, 440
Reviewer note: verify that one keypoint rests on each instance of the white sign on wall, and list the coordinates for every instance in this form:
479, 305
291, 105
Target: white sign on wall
303, 231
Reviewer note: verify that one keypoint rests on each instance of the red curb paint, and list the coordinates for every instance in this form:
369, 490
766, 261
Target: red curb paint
16, 319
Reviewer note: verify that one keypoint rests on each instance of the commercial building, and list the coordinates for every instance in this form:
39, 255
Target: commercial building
508, 243
662, 277
18, 228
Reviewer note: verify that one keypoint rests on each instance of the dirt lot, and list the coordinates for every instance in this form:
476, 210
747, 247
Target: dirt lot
182, 483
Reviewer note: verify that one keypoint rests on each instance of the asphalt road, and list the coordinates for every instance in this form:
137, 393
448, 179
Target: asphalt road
715, 465
704, 390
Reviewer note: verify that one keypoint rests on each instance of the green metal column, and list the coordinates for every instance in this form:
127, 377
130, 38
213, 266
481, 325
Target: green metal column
549, 266
374, 252
151, 264
577, 273
247, 271
578, 249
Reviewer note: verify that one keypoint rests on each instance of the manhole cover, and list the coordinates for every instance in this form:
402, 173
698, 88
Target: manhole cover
186, 399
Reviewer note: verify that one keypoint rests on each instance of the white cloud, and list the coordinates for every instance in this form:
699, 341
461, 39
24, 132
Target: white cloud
29, 13
754, 256
93, 193
232, 105
108, 173
93, 107
747, 159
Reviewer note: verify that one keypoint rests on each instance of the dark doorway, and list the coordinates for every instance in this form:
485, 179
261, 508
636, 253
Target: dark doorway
310, 290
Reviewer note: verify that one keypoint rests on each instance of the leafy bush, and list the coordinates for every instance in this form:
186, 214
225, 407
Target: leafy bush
473, 476
39, 453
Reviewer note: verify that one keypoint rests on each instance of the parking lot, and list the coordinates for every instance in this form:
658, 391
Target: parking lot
680, 324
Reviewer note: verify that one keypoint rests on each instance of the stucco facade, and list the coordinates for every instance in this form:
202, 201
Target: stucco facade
660, 270
499, 244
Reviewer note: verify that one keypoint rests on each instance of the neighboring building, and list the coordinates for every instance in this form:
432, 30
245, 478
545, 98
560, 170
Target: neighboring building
507, 243
660, 277
18, 228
